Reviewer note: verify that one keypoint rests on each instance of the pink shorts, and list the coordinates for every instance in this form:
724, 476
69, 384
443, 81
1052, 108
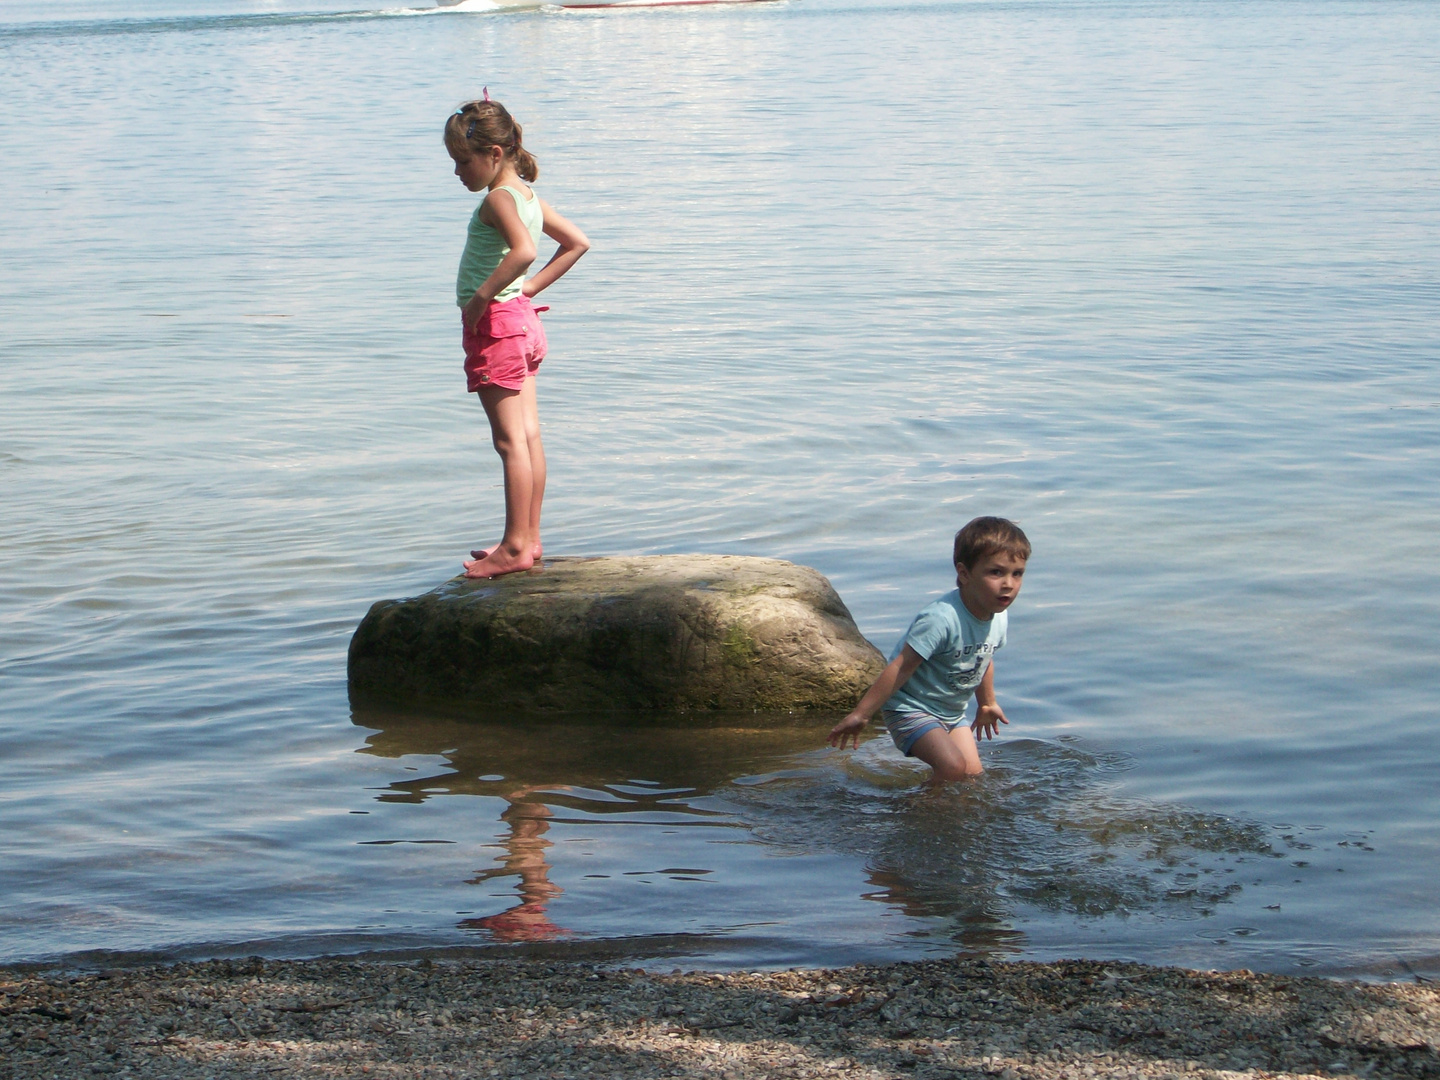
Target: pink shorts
506, 348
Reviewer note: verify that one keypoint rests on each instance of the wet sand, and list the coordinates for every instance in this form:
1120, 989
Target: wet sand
538, 1018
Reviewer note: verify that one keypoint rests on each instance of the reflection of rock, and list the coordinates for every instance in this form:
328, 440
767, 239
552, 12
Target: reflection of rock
651, 632
697, 754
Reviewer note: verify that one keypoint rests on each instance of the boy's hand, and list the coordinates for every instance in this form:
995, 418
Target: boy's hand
849, 728
988, 719
891, 679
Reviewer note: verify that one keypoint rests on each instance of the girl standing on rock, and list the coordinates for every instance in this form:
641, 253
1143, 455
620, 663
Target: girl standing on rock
504, 342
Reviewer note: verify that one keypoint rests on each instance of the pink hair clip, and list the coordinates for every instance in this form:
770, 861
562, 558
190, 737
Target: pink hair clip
486, 91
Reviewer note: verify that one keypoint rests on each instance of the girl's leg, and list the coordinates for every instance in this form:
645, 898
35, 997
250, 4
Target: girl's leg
952, 754
506, 412
531, 413
531, 409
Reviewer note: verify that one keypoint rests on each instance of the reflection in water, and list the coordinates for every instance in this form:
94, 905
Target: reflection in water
650, 772
694, 752
1041, 833
1040, 842
525, 856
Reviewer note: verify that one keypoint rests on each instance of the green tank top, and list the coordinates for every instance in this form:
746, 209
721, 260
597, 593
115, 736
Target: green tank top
485, 247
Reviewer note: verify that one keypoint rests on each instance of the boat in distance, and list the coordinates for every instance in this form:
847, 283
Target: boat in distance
581, 5
660, 3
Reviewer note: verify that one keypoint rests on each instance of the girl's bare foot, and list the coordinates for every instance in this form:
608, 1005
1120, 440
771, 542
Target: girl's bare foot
484, 553
499, 561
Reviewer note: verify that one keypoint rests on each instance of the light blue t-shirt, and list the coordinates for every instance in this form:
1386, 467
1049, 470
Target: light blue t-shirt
956, 648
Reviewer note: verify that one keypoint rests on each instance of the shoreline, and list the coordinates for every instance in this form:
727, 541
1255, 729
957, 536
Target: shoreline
1064, 1020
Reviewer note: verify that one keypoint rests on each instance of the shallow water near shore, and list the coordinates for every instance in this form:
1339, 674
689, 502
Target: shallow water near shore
1159, 281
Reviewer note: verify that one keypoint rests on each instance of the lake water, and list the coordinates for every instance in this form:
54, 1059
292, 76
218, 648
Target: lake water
1158, 280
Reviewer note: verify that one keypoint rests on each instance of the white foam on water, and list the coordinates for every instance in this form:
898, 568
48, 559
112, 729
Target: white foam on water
465, 7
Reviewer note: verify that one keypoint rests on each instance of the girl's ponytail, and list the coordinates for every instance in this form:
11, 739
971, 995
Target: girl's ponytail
478, 125
525, 163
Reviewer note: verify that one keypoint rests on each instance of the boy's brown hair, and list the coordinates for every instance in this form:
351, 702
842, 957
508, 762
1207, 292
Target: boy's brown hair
987, 536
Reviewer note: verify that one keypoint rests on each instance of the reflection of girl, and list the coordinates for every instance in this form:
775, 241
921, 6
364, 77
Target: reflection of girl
503, 339
527, 920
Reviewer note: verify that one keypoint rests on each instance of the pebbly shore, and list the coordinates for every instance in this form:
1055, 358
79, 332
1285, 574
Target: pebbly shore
532, 1019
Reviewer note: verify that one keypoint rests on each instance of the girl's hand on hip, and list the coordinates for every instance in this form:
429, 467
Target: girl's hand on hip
472, 312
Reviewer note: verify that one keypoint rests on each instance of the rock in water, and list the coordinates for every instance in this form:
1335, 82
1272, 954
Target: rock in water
620, 633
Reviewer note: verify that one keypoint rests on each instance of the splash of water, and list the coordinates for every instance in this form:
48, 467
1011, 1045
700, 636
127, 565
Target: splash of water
1041, 830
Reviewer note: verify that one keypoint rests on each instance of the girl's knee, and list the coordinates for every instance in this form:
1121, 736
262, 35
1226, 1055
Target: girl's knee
506, 443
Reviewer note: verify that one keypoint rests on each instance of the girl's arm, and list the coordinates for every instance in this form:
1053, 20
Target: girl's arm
988, 714
896, 674
572, 243
499, 212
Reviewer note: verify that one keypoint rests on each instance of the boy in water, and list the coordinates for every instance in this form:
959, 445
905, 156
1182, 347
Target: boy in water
947, 656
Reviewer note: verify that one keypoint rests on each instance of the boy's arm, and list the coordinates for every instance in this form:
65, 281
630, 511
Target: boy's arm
895, 675
988, 714
573, 243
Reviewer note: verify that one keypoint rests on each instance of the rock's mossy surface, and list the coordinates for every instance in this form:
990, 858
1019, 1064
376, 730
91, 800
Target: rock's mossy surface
621, 633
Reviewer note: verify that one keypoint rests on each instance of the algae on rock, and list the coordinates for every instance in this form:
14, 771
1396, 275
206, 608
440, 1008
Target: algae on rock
621, 633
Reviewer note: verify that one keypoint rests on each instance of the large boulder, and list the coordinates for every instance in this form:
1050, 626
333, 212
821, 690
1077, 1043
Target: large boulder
650, 632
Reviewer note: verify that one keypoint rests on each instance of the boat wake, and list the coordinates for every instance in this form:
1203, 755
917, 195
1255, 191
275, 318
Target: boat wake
464, 7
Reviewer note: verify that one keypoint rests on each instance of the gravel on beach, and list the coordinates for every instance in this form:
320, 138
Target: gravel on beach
1069, 1020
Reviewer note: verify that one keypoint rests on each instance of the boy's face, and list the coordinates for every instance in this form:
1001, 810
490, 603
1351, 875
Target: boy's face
991, 585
